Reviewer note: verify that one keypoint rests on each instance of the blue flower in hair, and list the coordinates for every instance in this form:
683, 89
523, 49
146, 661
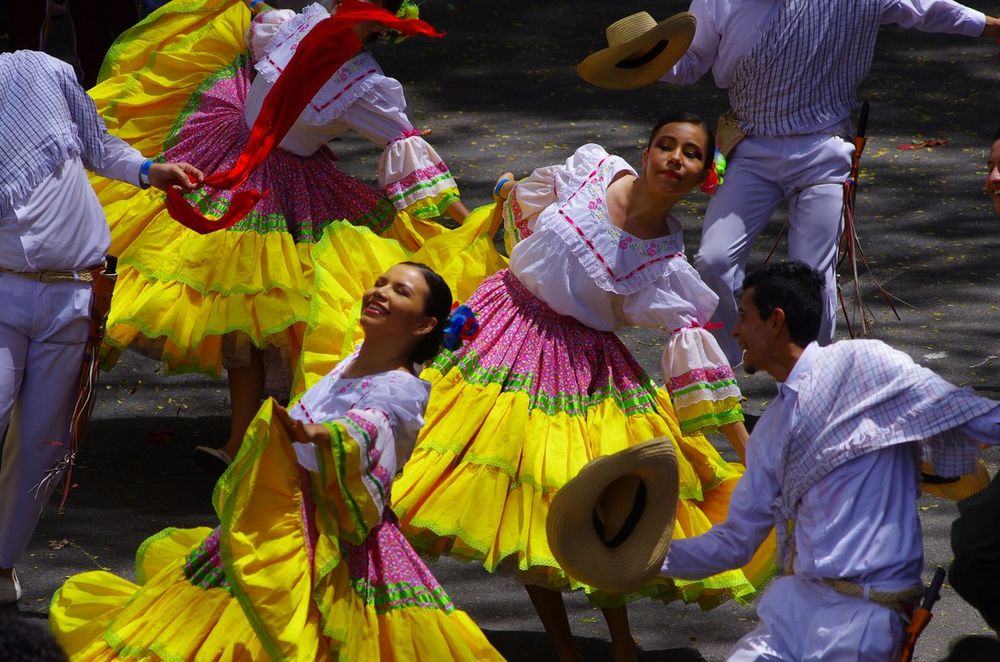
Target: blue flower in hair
462, 326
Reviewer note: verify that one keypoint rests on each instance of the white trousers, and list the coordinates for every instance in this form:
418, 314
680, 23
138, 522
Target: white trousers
808, 172
43, 330
807, 621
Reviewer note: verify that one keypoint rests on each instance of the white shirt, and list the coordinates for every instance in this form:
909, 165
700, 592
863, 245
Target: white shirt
61, 226
357, 97
595, 272
858, 523
383, 413
728, 31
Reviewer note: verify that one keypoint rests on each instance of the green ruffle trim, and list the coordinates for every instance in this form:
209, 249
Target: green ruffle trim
201, 572
140, 574
425, 210
390, 597
153, 275
705, 386
426, 538
517, 475
711, 422
112, 350
639, 400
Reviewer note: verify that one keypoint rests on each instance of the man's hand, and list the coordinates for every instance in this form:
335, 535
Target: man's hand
992, 28
182, 175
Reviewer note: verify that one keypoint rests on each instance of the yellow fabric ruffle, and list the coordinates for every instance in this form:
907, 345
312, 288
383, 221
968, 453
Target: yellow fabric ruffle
434, 206
180, 294
98, 616
481, 479
281, 605
463, 257
708, 415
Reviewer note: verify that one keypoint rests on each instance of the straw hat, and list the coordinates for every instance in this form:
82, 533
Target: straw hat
957, 489
610, 526
639, 51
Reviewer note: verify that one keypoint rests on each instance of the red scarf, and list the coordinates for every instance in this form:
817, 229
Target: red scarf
319, 55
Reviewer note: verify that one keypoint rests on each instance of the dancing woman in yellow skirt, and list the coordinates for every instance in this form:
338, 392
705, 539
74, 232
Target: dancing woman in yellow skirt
190, 80
547, 386
308, 562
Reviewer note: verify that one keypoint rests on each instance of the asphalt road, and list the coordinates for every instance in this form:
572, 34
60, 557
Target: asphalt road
500, 93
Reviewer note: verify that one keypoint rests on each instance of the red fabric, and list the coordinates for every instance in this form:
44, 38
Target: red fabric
188, 216
319, 55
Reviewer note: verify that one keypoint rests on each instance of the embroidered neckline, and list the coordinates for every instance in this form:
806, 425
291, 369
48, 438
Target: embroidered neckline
615, 259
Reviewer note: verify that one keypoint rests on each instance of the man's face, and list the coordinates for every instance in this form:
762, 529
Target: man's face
753, 334
993, 176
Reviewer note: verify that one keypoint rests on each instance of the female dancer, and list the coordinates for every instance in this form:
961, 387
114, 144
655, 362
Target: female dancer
190, 80
308, 562
547, 386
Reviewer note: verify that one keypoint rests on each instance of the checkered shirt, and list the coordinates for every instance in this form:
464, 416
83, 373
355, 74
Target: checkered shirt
45, 117
806, 67
860, 396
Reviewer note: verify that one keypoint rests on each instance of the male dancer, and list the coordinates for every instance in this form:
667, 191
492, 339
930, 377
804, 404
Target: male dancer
833, 464
53, 241
792, 69
975, 535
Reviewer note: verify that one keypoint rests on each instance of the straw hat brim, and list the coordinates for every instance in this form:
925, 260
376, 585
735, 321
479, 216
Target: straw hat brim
963, 488
578, 547
605, 67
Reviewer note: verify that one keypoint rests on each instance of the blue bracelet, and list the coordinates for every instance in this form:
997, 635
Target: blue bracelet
144, 173
496, 189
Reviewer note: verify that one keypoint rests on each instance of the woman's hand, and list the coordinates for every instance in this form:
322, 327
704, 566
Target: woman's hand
299, 431
182, 175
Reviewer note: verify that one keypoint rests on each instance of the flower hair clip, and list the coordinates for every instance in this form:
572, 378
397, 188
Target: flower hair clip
713, 180
462, 327
408, 10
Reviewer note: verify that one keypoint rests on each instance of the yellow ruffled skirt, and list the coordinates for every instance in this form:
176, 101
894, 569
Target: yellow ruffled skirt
174, 86
515, 414
303, 567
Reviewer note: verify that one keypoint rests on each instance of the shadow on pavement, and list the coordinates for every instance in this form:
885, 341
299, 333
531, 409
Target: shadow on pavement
526, 645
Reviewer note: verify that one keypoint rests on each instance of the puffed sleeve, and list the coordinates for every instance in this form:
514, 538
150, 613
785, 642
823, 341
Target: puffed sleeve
402, 398
263, 28
540, 189
697, 375
528, 197
410, 172
368, 446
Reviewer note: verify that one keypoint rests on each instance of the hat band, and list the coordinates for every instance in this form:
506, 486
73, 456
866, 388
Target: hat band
634, 515
932, 479
645, 58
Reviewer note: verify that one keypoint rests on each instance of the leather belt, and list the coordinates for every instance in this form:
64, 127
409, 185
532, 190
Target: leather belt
82, 276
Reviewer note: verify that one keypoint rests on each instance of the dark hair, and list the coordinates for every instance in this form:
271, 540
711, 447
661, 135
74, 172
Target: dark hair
996, 136
687, 118
391, 6
23, 641
438, 306
797, 290
974, 648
